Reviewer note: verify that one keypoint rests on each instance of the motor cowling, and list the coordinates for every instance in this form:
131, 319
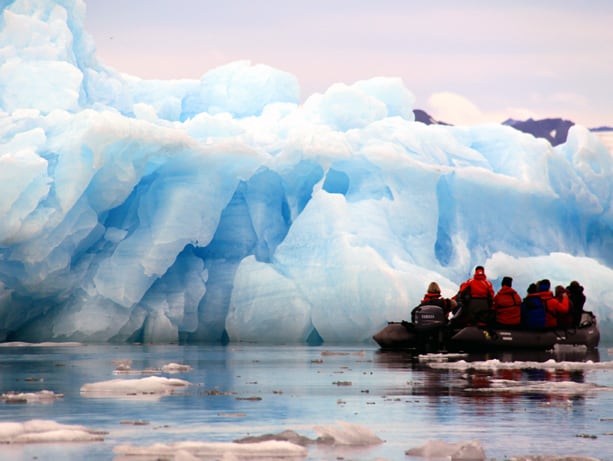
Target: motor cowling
429, 317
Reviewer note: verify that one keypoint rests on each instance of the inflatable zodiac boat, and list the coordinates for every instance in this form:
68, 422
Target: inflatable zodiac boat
431, 332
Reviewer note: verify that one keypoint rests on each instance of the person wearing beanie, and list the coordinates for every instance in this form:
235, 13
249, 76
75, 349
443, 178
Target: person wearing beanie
507, 304
476, 296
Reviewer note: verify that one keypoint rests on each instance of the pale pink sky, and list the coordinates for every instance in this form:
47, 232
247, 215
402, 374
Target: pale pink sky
466, 62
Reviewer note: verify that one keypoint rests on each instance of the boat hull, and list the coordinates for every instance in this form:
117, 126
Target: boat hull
403, 335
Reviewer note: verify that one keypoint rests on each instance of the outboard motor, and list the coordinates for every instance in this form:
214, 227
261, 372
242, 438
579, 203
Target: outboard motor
429, 322
428, 317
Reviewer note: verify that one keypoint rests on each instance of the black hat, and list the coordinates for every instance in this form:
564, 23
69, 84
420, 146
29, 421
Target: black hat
544, 285
507, 281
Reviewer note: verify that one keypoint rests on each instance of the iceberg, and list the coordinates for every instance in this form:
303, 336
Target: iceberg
231, 208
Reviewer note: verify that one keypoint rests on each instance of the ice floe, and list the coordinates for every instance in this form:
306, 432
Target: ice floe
437, 449
285, 445
39, 431
273, 449
176, 368
43, 344
43, 396
344, 433
152, 387
124, 367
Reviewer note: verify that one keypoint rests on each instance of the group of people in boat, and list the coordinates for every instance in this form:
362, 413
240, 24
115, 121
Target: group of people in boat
476, 303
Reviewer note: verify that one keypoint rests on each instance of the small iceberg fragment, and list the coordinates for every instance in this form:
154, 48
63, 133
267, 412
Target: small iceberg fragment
152, 387
45, 431
43, 396
272, 449
460, 451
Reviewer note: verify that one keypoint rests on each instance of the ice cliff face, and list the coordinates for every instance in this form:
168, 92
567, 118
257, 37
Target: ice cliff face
222, 208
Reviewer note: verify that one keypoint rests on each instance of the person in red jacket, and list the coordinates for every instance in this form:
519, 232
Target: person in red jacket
507, 304
476, 296
565, 314
433, 298
553, 308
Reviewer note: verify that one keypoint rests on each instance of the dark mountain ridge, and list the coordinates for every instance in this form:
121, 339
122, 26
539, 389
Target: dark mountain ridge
554, 130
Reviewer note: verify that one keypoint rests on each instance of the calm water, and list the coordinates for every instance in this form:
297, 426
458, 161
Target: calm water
252, 390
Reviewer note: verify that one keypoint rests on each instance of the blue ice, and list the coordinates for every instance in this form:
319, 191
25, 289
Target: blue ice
234, 208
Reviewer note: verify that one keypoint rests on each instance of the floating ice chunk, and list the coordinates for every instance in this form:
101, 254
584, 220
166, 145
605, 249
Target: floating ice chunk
43, 344
286, 436
176, 368
348, 434
227, 450
552, 458
151, 387
43, 396
461, 451
38, 431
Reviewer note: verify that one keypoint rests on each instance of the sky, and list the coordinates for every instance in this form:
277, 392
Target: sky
467, 62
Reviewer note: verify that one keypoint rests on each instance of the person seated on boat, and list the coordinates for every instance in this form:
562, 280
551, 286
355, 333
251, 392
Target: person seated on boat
433, 298
507, 304
565, 314
475, 297
577, 298
553, 308
533, 309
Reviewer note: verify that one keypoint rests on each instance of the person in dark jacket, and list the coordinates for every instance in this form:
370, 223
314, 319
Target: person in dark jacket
507, 304
577, 299
533, 309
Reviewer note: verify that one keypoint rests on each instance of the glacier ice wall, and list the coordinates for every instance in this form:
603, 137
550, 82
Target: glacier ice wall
225, 209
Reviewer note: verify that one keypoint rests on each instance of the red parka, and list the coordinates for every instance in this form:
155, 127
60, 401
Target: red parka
480, 286
507, 304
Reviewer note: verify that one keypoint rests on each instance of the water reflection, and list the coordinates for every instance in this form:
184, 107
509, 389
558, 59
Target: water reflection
530, 375
244, 390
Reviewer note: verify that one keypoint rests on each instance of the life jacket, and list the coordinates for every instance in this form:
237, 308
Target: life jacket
533, 311
480, 287
507, 305
476, 296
